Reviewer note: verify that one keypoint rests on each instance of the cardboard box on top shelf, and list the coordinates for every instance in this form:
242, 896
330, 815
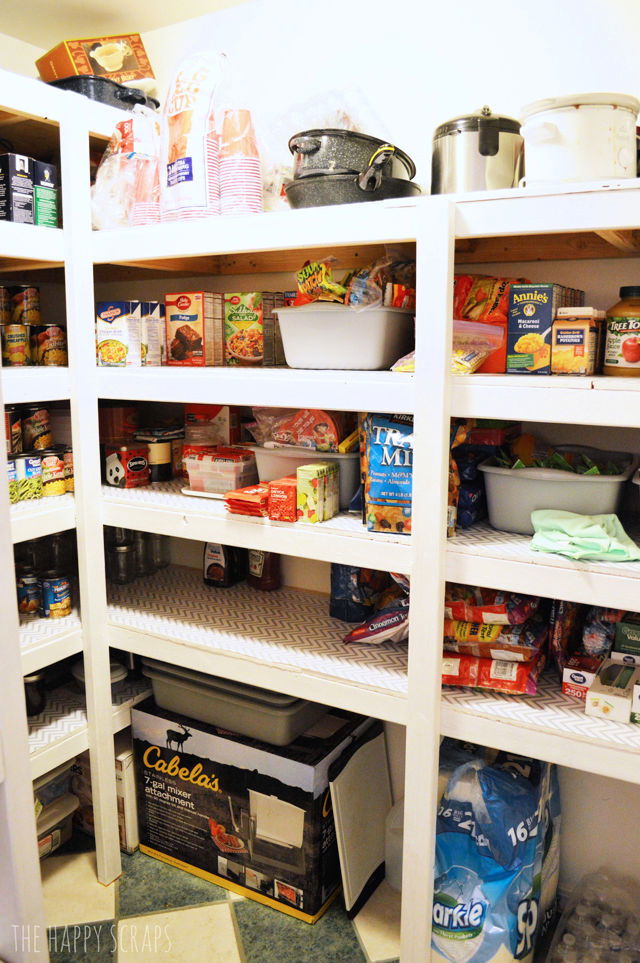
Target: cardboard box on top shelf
121, 58
249, 816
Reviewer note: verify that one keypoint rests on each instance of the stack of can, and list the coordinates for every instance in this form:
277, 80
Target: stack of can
43, 580
35, 465
25, 339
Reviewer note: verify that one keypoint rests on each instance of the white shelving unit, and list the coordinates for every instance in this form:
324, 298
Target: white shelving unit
289, 643
42, 516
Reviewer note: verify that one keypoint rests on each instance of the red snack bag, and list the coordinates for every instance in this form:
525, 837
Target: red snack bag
519, 678
468, 603
283, 495
512, 643
252, 500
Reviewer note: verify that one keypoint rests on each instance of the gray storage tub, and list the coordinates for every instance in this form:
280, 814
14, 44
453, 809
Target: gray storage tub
245, 709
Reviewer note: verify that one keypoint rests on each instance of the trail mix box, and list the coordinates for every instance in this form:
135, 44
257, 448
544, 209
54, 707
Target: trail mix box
190, 328
16, 188
386, 464
243, 329
251, 817
121, 58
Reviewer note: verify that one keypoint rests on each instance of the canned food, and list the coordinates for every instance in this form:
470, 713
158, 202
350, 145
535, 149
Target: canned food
13, 429
25, 304
15, 345
13, 481
36, 430
29, 595
53, 482
69, 483
56, 595
5, 305
49, 344
28, 476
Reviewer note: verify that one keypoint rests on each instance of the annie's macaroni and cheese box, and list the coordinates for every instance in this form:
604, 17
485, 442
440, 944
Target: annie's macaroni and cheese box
251, 817
193, 329
532, 309
121, 58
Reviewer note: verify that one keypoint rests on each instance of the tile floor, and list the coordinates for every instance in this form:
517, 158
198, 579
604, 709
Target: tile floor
155, 912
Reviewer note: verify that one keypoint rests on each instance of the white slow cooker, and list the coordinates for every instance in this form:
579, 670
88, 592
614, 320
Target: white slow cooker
580, 137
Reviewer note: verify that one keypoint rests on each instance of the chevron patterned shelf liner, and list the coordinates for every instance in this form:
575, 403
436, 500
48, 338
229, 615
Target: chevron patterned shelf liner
37, 632
168, 496
549, 710
40, 506
288, 628
66, 712
484, 541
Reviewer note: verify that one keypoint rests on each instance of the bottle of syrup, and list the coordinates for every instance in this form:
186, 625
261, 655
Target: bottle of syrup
219, 565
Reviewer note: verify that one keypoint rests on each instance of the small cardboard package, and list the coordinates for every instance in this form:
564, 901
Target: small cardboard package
121, 58
611, 692
578, 675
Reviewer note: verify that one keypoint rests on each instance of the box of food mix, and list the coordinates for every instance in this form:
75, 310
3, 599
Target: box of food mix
243, 329
152, 334
251, 817
532, 308
118, 333
283, 499
190, 328
121, 58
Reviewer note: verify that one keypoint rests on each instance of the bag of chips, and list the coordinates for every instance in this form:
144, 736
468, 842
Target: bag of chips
468, 603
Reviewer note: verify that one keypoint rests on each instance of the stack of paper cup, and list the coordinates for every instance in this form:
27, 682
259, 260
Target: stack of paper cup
146, 204
240, 171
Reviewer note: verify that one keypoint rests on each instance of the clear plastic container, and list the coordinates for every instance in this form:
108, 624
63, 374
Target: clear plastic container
215, 474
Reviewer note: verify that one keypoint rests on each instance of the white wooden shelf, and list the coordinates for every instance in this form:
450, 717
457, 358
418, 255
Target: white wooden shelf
61, 731
330, 227
42, 516
483, 556
41, 383
284, 387
566, 400
45, 641
548, 725
285, 640
162, 508
38, 247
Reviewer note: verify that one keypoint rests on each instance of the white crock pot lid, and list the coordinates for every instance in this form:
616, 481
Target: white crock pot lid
118, 671
626, 101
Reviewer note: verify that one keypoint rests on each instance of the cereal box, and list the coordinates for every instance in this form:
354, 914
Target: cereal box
118, 327
121, 58
243, 329
152, 334
283, 499
189, 321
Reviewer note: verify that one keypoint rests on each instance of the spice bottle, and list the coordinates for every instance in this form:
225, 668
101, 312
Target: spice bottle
622, 350
264, 570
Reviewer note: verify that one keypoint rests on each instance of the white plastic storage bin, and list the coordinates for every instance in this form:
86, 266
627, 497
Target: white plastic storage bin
512, 494
208, 473
52, 785
322, 335
278, 462
245, 709
54, 824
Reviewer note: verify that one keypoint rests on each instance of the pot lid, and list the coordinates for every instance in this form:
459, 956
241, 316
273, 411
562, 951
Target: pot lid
118, 671
471, 122
625, 101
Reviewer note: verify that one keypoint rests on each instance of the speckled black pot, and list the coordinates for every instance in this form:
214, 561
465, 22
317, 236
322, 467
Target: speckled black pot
334, 151
327, 189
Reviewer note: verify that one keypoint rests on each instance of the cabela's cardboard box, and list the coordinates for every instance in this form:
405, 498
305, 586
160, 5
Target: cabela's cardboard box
121, 58
249, 816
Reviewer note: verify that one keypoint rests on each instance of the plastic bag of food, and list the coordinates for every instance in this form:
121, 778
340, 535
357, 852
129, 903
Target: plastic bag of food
472, 345
126, 192
469, 603
500, 675
406, 363
599, 630
315, 283
307, 427
512, 643
489, 865
355, 591
458, 435
189, 151
565, 631
390, 624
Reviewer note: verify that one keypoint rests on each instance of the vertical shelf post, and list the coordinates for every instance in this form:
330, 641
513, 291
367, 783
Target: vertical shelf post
74, 150
434, 282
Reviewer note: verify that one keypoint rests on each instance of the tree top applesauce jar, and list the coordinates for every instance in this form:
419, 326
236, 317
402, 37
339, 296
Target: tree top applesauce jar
622, 351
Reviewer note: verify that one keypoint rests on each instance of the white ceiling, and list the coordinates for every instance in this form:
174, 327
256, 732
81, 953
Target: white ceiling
46, 22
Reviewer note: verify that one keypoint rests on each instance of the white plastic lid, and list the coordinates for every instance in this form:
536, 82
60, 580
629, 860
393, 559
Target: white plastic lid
118, 671
580, 313
624, 101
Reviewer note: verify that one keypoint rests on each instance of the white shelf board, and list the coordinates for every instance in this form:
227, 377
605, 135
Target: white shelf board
284, 640
42, 516
30, 242
281, 387
61, 731
369, 223
483, 556
568, 400
548, 725
45, 641
40, 383
560, 208
162, 508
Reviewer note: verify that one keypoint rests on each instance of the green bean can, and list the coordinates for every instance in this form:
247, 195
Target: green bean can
29, 476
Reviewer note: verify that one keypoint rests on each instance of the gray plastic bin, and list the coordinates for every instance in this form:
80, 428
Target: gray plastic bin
258, 713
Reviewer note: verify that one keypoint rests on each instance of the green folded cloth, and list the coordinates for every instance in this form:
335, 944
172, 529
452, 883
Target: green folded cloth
598, 538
